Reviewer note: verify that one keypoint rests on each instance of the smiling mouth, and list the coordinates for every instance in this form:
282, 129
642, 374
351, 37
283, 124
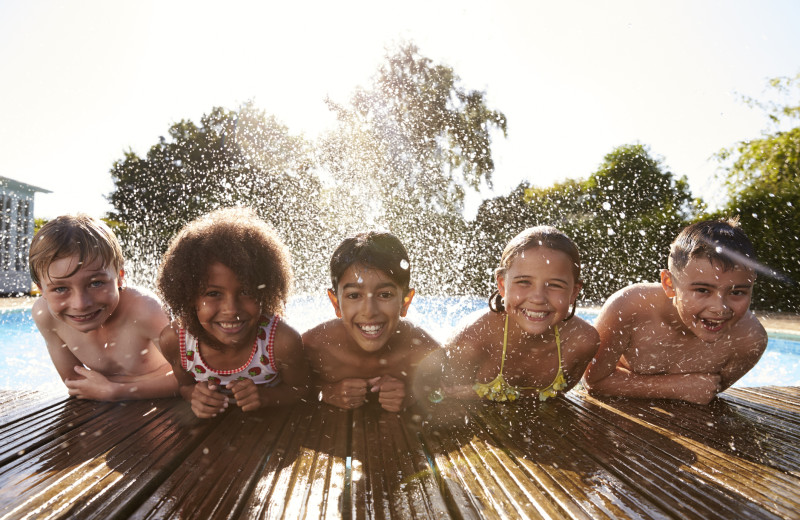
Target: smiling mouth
371, 330
85, 317
231, 326
534, 315
712, 325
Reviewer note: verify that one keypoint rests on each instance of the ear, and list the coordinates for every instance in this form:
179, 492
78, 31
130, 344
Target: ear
501, 284
575, 291
666, 283
335, 302
121, 279
406, 302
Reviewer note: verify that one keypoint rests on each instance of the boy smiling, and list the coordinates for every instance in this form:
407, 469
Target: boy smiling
692, 335
101, 335
368, 348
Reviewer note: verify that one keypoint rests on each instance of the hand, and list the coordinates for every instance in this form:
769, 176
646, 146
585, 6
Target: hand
347, 393
207, 401
391, 392
90, 384
245, 391
701, 388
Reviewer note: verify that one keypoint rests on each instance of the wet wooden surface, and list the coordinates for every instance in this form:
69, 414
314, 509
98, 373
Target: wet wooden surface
574, 457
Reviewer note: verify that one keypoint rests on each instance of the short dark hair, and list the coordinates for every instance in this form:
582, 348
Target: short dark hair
720, 241
380, 250
236, 238
78, 235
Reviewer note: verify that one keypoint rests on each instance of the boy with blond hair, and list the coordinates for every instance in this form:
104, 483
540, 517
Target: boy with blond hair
691, 336
101, 335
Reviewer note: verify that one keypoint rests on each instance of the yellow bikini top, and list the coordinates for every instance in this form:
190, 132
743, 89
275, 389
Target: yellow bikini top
500, 390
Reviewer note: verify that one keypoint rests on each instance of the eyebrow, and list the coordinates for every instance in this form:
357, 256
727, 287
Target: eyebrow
713, 286
355, 285
525, 277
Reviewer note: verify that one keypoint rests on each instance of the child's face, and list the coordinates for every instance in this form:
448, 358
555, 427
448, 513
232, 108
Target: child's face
84, 300
539, 289
709, 299
226, 310
370, 305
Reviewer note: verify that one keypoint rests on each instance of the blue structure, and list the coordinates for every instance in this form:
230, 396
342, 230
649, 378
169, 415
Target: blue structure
16, 232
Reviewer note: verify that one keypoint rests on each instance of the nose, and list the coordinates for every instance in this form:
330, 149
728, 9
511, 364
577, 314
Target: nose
230, 304
536, 293
369, 305
80, 300
719, 304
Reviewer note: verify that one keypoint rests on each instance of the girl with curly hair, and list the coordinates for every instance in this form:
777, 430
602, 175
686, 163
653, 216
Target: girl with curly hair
225, 279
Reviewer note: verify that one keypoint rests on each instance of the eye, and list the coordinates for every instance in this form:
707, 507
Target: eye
211, 294
58, 290
96, 283
701, 290
352, 295
555, 285
386, 295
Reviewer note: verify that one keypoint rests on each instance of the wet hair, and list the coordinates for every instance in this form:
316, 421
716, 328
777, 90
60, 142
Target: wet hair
376, 249
78, 235
236, 238
539, 236
720, 241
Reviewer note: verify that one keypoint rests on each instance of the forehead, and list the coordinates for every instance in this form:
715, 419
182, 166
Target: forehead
220, 273
541, 257
70, 267
364, 275
703, 270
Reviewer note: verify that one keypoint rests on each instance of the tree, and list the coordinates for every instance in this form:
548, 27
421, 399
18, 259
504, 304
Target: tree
762, 179
637, 208
232, 158
403, 153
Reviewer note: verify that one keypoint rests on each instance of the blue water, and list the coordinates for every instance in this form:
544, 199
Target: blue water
24, 362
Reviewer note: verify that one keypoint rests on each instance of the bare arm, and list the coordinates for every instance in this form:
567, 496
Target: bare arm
464, 355
293, 368
747, 353
608, 374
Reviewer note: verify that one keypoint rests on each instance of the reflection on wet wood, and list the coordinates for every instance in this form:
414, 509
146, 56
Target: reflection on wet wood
575, 457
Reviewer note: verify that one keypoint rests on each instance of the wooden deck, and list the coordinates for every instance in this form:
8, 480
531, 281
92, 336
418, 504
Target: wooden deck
576, 457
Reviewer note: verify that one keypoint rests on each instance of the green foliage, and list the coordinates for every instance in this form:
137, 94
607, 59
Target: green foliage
232, 158
402, 154
762, 178
622, 219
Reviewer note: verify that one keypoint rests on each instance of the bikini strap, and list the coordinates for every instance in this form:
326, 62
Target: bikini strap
505, 342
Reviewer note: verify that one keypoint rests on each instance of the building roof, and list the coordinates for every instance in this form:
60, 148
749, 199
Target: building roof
11, 184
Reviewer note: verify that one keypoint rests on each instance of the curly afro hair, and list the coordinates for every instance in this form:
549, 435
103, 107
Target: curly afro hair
236, 238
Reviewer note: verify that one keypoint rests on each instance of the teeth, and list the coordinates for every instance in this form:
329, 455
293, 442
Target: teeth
534, 314
370, 329
229, 324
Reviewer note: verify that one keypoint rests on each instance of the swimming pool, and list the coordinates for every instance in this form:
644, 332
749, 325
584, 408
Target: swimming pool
24, 362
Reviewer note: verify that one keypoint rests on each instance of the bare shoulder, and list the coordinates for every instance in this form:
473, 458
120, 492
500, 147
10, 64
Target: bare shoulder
323, 334
581, 336
634, 302
751, 334
417, 337
40, 313
140, 299
286, 334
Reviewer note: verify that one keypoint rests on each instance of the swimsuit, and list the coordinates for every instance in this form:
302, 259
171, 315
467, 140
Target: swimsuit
260, 367
500, 390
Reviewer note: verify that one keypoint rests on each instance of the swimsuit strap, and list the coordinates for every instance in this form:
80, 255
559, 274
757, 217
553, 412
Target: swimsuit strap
505, 342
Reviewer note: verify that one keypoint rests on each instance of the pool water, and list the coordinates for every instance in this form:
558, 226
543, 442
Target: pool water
24, 362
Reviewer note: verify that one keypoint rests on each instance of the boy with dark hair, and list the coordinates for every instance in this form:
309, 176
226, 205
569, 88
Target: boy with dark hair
101, 335
368, 348
693, 335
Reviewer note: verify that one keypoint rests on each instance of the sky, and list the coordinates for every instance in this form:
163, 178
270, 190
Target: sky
83, 81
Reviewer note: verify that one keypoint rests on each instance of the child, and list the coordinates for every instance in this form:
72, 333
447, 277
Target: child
369, 348
101, 335
693, 335
225, 278
529, 342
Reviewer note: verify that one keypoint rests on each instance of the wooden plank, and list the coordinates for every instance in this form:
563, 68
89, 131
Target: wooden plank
17, 404
101, 459
391, 473
216, 477
726, 480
